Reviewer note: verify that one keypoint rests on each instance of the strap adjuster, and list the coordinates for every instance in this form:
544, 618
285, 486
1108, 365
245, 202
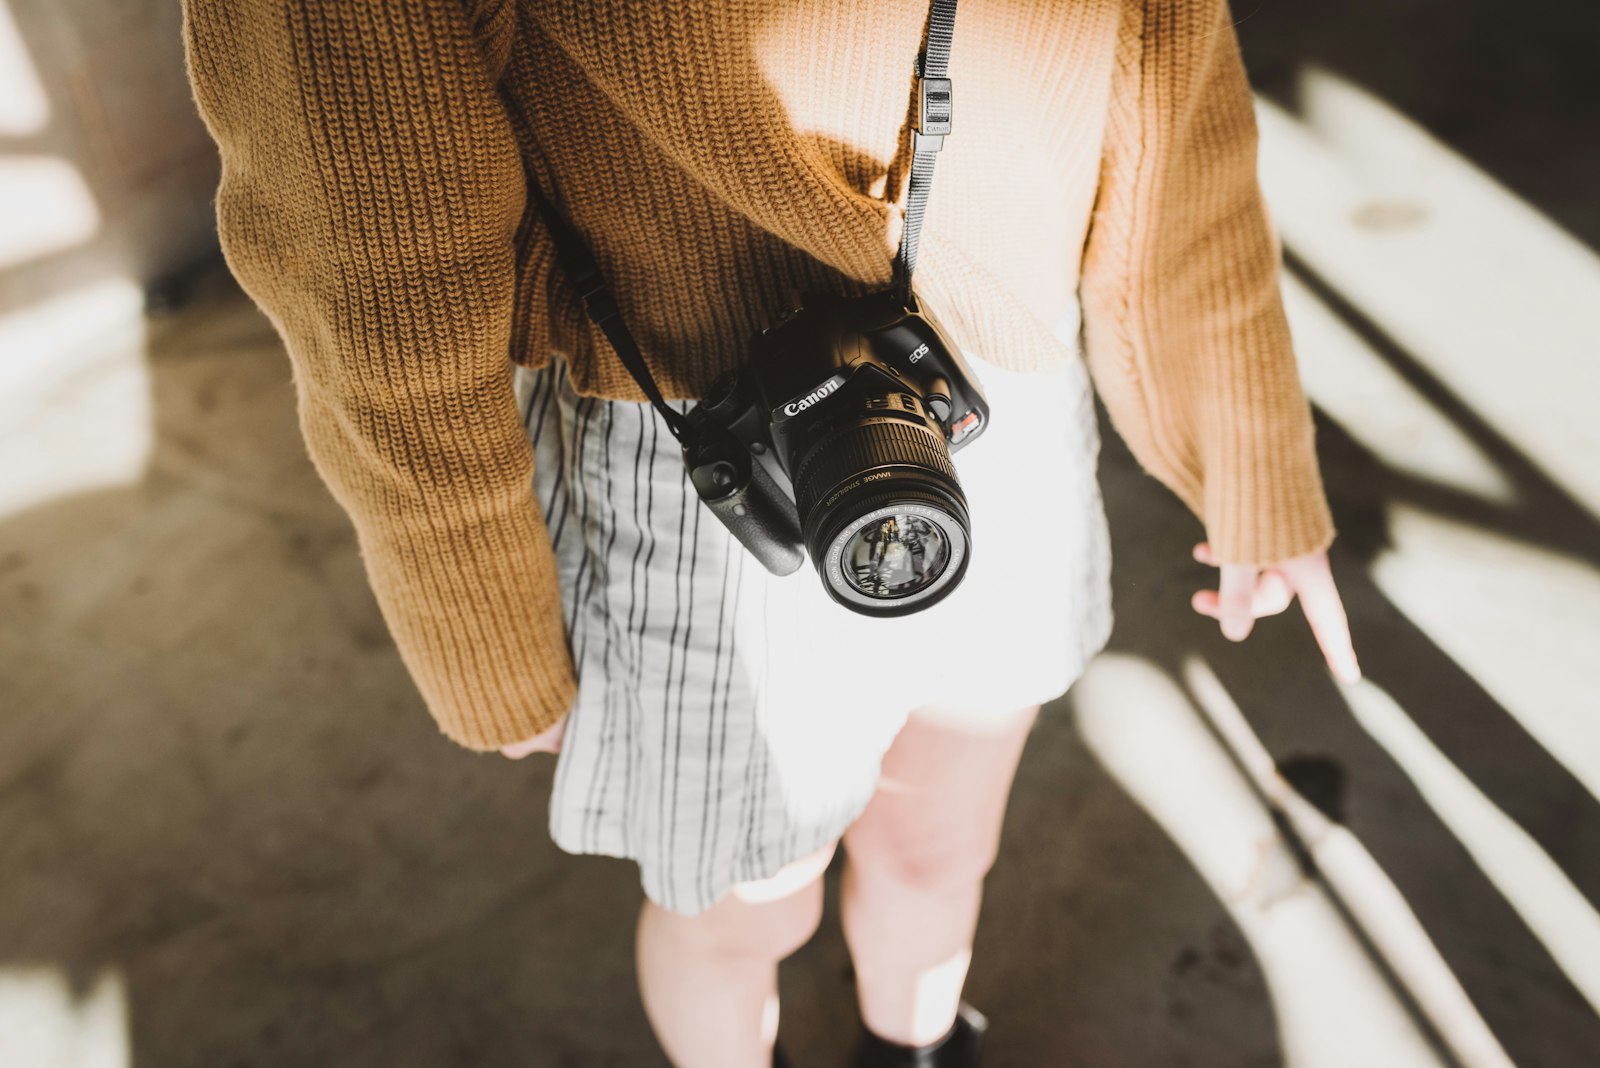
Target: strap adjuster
933, 114
598, 300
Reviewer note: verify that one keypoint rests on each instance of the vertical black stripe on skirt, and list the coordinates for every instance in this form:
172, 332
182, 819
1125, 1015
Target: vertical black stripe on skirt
581, 491
607, 513
567, 500
579, 494
612, 682
756, 760
666, 688
748, 709
711, 709
714, 767
635, 757
766, 757
692, 501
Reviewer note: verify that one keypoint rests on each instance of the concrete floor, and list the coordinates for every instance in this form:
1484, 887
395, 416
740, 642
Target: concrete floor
229, 835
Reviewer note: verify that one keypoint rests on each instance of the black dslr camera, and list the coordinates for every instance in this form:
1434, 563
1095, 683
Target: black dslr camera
834, 438
834, 435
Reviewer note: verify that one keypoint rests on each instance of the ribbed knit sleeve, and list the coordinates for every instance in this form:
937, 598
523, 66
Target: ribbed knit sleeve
1184, 325
371, 189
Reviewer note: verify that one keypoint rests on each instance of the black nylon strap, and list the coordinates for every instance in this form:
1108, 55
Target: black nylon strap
601, 304
931, 124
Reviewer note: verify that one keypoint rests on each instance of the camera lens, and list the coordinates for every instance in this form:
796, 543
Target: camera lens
894, 554
883, 515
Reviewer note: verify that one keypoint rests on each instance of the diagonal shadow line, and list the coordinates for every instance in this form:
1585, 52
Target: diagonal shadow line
1548, 515
1473, 925
1381, 961
1527, 525
1479, 932
1278, 683
1552, 806
1482, 737
1489, 745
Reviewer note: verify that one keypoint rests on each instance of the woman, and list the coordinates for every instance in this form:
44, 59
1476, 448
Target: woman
547, 573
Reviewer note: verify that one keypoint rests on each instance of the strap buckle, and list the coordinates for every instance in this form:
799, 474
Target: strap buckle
933, 114
598, 300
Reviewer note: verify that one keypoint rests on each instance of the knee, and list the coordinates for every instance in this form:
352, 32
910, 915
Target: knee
781, 926
767, 919
935, 865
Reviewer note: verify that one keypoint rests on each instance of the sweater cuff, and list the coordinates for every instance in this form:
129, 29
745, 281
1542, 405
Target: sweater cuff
1263, 500
480, 630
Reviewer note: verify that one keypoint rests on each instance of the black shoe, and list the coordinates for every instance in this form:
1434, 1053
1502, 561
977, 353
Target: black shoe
959, 1048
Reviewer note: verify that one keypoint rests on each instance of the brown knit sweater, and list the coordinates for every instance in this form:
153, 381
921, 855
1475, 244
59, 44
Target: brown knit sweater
718, 155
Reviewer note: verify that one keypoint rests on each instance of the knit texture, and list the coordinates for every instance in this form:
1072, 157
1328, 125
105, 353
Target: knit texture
722, 157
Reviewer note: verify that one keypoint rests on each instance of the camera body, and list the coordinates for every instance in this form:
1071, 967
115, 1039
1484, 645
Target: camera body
834, 436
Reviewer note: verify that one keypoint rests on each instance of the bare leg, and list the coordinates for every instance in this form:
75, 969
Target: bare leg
710, 982
915, 864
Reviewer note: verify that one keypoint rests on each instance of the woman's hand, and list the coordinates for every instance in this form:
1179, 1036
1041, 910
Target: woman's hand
547, 742
1247, 592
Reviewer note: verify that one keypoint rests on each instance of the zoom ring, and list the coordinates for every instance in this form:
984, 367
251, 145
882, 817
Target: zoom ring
864, 447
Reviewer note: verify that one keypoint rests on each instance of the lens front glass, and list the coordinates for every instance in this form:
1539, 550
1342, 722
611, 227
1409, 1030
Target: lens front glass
896, 555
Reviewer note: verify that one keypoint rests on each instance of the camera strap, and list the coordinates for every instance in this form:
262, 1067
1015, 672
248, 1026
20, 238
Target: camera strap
601, 304
930, 125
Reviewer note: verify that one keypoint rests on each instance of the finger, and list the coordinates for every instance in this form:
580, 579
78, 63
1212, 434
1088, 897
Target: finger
1203, 553
1272, 595
1324, 610
547, 742
1235, 593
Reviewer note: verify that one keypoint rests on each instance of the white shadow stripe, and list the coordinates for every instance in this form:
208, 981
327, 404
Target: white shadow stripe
1334, 1007
1558, 914
1365, 891
1483, 290
50, 1021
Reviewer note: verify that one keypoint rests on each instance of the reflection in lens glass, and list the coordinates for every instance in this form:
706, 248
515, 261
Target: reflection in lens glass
895, 555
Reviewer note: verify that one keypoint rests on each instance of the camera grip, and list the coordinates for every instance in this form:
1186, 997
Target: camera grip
743, 495
764, 521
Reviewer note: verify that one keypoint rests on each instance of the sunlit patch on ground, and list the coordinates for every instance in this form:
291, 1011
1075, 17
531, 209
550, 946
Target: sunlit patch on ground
49, 1020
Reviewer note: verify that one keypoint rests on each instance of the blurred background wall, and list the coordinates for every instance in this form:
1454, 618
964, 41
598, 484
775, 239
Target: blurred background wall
107, 169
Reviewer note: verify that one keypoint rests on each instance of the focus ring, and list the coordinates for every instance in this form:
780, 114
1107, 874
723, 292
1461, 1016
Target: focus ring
864, 447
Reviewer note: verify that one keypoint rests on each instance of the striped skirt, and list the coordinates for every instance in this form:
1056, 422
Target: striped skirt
729, 721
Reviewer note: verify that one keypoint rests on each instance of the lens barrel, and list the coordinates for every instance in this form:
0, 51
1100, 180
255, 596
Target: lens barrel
883, 515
